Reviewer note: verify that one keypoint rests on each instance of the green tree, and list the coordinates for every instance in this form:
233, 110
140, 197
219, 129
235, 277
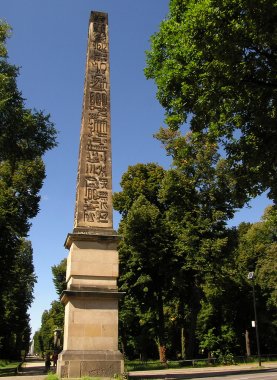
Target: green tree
199, 197
185, 219
25, 135
51, 320
54, 317
59, 276
145, 254
38, 343
16, 301
257, 252
214, 64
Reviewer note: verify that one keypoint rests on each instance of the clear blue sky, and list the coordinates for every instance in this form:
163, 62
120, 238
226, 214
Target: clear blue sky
49, 43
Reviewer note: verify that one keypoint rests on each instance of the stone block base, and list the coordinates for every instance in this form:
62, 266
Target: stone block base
77, 364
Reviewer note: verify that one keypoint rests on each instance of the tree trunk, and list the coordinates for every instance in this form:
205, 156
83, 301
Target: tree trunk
247, 343
162, 354
161, 337
190, 333
183, 342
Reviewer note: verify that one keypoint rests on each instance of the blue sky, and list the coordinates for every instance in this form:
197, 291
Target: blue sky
49, 42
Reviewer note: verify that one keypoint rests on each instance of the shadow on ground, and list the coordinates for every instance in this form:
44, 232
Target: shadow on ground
4, 372
220, 374
32, 367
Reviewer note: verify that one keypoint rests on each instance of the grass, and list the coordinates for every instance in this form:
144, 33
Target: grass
8, 368
137, 365
52, 376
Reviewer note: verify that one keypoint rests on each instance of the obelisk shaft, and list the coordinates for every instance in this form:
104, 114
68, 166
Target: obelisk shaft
90, 345
94, 184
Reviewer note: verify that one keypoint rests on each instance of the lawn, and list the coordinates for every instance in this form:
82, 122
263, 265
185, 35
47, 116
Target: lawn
8, 368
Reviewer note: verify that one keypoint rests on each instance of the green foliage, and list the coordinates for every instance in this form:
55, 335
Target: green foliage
59, 276
144, 253
173, 240
17, 298
199, 197
178, 256
210, 340
8, 368
25, 136
4, 34
214, 64
258, 251
53, 318
226, 359
52, 376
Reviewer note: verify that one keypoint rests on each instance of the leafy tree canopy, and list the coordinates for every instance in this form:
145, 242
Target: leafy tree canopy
145, 251
54, 317
17, 296
258, 251
25, 135
59, 276
215, 64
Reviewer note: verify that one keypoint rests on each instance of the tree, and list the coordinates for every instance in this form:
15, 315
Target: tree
256, 253
214, 63
17, 299
25, 136
59, 276
145, 254
53, 318
258, 250
174, 235
198, 194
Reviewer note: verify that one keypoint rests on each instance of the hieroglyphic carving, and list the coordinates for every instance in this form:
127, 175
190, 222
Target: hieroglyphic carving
64, 370
100, 369
94, 189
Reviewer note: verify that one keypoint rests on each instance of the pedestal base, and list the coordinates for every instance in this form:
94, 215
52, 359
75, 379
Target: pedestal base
91, 308
77, 364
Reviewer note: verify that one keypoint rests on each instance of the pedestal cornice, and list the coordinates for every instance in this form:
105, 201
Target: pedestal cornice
91, 236
67, 294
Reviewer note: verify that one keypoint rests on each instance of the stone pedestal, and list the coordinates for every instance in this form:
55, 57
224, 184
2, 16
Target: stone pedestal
91, 308
76, 364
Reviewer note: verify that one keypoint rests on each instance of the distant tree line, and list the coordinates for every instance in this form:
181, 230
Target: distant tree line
25, 135
53, 318
184, 271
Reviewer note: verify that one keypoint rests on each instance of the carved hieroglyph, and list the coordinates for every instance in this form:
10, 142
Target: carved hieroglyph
94, 185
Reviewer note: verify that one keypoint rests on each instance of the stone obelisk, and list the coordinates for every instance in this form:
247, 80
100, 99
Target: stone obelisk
91, 298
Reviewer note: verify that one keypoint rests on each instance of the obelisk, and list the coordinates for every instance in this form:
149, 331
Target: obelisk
91, 298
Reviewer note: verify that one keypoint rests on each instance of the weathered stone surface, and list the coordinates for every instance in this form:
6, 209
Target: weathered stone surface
94, 259
94, 187
91, 298
78, 364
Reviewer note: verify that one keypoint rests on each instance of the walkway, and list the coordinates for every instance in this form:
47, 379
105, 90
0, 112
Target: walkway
32, 366
33, 369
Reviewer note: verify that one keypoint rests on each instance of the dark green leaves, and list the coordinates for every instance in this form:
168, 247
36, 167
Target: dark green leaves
214, 63
25, 136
